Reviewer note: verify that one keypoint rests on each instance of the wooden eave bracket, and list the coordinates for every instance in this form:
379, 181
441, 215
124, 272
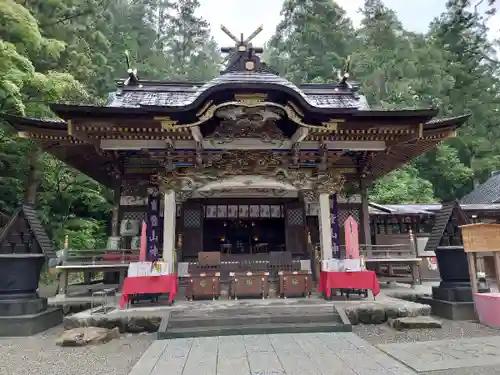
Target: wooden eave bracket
300, 134
196, 134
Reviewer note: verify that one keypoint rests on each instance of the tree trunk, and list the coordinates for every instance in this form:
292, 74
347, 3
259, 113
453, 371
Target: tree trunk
33, 176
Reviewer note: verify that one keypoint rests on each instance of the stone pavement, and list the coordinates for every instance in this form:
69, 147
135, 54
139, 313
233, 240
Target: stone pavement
447, 354
285, 354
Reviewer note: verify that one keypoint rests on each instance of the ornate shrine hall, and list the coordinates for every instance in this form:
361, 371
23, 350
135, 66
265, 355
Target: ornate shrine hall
202, 161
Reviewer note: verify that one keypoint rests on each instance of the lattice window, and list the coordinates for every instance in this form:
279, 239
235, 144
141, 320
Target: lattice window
134, 216
295, 216
192, 218
344, 214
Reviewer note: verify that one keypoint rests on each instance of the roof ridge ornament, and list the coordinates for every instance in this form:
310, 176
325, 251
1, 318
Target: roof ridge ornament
345, 75
243, 56
133, 79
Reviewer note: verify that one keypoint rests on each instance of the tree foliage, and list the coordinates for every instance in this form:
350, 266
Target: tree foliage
453, 67
73, 50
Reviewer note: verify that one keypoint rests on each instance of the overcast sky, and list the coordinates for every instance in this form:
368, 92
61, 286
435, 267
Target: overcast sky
244, 16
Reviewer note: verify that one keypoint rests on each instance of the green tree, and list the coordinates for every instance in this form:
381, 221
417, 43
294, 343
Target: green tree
312, 41
461, 33
402, 186
192, 52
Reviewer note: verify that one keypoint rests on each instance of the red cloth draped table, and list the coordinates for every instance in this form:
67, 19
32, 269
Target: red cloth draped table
149, 285
348, 280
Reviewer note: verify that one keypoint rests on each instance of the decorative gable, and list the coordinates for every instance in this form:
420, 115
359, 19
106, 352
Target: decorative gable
24, 234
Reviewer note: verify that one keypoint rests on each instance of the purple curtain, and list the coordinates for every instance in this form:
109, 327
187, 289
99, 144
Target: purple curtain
153, 224
335, 227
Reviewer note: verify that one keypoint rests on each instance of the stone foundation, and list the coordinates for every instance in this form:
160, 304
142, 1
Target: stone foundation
131, 324
379, 314
30, 324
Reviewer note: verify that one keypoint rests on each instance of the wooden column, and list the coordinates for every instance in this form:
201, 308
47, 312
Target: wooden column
32, 176
364, 216
325, 226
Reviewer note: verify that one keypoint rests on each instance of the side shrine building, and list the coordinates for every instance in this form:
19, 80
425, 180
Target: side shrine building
245, 163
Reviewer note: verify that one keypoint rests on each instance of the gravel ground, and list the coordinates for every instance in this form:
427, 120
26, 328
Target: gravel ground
383, 334
38, 355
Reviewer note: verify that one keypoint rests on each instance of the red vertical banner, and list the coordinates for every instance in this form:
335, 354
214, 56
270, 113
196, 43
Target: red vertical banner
351, 238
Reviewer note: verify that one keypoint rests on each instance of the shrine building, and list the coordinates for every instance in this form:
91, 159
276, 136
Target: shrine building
245, 163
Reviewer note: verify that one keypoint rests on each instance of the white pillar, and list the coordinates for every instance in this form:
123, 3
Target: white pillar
169, 217
325, 227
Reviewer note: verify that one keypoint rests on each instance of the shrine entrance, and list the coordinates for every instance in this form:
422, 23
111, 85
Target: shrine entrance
244, 236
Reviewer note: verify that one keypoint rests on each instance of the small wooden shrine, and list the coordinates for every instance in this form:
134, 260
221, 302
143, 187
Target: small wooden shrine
245, 163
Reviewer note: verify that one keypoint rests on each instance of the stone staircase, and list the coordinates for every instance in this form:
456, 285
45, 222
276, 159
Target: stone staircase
251, 321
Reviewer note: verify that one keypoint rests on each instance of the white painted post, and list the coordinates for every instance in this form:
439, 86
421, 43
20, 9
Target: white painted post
325, 227
169, 217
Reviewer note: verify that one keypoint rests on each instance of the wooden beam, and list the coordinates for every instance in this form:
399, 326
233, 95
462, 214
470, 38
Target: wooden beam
196, 134
299, 135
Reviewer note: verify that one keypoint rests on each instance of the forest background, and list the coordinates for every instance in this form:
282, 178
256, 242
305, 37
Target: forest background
73, 51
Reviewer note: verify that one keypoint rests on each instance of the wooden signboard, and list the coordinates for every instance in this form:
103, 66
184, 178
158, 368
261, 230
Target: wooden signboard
351, 238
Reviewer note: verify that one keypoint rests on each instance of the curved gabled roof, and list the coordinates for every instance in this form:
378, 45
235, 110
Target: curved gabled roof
182, 95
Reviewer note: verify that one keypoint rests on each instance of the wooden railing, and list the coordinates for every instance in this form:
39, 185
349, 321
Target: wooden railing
88, 257
396, 251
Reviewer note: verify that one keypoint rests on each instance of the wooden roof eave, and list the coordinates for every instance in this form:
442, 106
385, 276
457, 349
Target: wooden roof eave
52, 136
446, 122
34, 124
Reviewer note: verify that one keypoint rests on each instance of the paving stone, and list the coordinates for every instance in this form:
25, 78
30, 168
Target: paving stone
173, 357
415, 322
232, 357
202, 358
148, 361
447, 354
281, 354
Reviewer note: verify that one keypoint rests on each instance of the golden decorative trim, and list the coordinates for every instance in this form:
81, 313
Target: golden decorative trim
251, 98
173, 126
70, 127
420, 130
451, 134
330, 126
296, 108
204, 108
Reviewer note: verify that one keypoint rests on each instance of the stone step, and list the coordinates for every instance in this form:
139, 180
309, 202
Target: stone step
240, 320
253, 329
229, 312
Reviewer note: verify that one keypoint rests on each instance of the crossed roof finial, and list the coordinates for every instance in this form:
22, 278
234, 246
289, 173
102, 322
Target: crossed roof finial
242, 41
243, 56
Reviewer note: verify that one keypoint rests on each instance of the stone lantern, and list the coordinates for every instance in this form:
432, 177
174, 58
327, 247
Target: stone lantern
24, 247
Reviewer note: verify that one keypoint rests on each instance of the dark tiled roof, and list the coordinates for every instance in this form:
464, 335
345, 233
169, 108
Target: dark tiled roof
443, 217
487, 193
30, 214
425, 208
179, 95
